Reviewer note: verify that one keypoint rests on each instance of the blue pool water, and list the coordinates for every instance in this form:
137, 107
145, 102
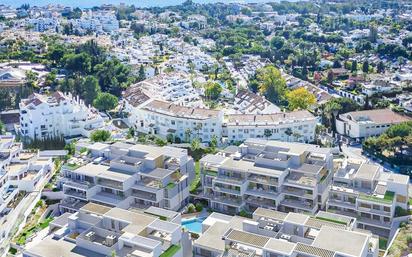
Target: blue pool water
193, 225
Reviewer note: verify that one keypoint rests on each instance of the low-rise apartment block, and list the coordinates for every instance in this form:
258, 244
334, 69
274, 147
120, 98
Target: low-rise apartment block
367, 192
126, 175
20, 172
297, 126
43, 116
271, 234
363, 124
290, 177
158, 117
98, 230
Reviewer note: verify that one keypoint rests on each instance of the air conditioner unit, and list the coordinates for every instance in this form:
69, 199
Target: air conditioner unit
90, 236
110, 240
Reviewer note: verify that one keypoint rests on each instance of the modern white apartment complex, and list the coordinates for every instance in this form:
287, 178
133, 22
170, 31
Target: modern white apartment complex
20, 172
363, 124
98, 230
126, 175
151, 116
364, 191
56, 115
290, 177
272, 234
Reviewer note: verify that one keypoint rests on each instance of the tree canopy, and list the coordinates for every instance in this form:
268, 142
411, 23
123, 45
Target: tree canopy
300, 98
272, 84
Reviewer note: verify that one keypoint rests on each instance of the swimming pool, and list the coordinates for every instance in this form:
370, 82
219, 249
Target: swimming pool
194, 225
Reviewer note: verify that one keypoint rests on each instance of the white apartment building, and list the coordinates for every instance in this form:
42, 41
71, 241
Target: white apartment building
162, 118
271, 233
127, 175
297, 126
43, 116
364, 191
247, 102
291, 177
173, 87
20, 172
96, 22
363, 124
151, 116
98, 230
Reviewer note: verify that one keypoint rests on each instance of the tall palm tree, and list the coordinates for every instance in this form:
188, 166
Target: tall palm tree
331, 110
188, 134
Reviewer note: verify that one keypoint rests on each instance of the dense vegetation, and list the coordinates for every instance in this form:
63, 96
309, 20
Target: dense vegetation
86, 68
395, 145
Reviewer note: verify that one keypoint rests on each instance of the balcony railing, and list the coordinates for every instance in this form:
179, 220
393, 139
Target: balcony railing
110, 183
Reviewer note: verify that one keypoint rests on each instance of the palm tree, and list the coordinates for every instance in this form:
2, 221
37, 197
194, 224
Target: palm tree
188, 134
331, 110
288, 132
267, 133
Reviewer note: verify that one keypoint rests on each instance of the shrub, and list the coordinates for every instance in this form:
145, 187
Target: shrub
199, 207
160, 142
100, 135
191, 208
244, 213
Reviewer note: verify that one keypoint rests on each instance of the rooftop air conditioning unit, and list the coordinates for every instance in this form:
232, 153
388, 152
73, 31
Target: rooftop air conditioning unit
110, 240
90, 236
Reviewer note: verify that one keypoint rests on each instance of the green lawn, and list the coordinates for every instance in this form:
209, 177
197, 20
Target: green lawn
383, 243
388, 197
171, 251
171, 185
196, 182
331, 220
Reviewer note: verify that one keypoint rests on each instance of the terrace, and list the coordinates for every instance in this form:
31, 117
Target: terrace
387, 198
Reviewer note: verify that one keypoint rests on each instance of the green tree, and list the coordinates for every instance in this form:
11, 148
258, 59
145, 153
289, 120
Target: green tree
2, 128
212, 90
70, 148
373, 34
267, 133
272, 84
142, 73
78, 63
105, 101
100, 135
195, 144
288, 132
381, 67
365, 67
300, 98
91, 89
354, 66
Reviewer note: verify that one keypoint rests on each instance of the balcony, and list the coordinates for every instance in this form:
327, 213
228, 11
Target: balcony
107, 198
263, 180
341, 203
374, 211
262, 193
80, 184
75, 194
257, 201
234, 190
237, 202
110, 183
298, 192
144, 195
302, 205
230, 179
301, 180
